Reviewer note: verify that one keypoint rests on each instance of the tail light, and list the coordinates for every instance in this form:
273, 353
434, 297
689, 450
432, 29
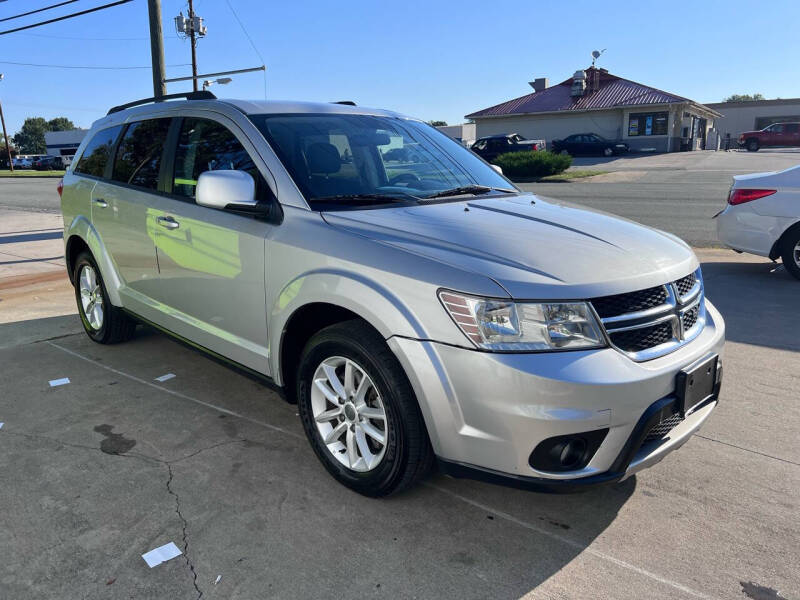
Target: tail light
740, 196
60, 187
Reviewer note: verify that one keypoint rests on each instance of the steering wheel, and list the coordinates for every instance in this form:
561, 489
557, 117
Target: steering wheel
403, 178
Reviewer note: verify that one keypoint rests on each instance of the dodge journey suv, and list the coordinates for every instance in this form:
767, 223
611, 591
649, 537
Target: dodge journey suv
418, 311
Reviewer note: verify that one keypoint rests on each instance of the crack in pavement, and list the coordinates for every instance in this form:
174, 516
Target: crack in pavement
170, 491
743, 449
184, 532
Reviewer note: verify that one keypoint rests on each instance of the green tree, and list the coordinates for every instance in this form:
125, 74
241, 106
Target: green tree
438, 123
744, 98
60, 124
30, 138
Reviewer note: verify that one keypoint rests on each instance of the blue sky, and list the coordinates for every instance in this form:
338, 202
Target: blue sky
433, 59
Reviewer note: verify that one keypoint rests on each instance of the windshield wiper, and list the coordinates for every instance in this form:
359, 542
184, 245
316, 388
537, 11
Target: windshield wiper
469, 189
363, 198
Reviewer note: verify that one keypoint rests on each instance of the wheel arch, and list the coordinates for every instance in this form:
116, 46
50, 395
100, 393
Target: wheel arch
81, 235
319, 299
775, 251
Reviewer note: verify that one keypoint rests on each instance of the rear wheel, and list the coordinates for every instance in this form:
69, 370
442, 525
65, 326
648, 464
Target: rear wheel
359, 411
752, 145
790, 251
103, 322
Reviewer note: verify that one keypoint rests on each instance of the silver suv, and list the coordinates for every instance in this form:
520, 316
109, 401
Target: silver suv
413, 302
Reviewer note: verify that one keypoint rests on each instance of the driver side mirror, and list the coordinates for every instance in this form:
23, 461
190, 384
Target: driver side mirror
235, 190
497, 168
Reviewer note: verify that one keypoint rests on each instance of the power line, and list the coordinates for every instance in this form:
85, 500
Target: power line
70, 16
84, 39
249, 39
91, 67
38, 10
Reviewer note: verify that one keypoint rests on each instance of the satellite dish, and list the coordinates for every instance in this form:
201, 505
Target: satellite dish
595, 53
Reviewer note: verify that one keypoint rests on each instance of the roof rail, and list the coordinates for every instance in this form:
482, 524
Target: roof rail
201, 95
345, 102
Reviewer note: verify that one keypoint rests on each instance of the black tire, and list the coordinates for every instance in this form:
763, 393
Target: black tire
408, 455
116, 325
788, 255
752, 145
608, 151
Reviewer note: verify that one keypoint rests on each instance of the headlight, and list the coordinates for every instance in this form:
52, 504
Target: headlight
506, 326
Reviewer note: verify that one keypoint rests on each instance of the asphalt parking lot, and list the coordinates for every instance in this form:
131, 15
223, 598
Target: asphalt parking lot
113, 464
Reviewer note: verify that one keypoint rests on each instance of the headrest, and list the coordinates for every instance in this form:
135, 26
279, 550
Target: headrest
323, 158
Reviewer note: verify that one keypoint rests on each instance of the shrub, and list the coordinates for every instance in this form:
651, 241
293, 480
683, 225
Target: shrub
532, 164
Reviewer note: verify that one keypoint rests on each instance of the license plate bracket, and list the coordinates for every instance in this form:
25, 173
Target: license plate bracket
695, 384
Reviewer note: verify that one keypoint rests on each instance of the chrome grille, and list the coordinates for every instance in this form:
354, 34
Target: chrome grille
636, 340
619, 304
685, 284
649, 323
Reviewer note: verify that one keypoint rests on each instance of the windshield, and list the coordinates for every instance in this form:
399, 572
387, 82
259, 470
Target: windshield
336, 159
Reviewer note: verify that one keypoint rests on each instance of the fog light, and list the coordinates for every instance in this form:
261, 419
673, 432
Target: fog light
566, 452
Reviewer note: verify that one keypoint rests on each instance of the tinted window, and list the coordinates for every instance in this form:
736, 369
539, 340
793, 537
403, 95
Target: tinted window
206, 145
139, 153
95, 157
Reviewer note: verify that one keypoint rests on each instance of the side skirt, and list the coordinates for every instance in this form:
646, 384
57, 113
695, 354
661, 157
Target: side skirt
238, 367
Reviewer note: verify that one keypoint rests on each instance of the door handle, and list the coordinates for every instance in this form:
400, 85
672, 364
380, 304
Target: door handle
168, 222
100, 202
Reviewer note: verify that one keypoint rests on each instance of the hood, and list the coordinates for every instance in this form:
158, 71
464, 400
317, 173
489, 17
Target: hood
533, 247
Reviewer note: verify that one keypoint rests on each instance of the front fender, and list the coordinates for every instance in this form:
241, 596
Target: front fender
375, 303
81, 227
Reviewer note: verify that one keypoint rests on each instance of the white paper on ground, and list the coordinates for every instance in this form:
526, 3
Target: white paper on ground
1, 425
161, 554
56, 382
164, 378
217, 580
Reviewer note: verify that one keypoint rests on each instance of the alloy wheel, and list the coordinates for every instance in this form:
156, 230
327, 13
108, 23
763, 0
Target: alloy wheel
349, 414
91, 297
796, 254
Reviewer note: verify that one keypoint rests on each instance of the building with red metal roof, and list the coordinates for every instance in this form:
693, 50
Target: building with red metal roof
596, 101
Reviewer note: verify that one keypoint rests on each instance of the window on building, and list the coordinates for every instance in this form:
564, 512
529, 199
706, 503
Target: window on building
648, 123
206, 145
95, 157
139, 154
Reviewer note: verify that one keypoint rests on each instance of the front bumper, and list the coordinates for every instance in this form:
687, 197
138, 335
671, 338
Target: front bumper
486, 412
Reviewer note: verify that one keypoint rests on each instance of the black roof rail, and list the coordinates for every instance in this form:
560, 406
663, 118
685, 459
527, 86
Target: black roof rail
200, 95
345, 102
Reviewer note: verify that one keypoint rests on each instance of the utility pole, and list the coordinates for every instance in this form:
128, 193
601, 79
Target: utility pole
194, 46
157, 48
5, 135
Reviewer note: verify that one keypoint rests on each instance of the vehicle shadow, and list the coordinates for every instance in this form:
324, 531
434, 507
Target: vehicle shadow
758, 301
516, 539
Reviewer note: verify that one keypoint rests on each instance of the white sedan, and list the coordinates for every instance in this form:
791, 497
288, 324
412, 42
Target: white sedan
763, 216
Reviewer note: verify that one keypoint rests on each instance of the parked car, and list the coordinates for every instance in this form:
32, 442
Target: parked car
588, 143
763, 216
447, 318
777, 134
48, 163
490, 147
22, 163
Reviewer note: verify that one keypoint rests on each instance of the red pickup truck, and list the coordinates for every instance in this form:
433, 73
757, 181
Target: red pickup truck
777, 134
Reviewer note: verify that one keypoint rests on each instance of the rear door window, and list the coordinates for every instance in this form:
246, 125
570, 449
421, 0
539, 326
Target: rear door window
138, 159
205, 145
95, 157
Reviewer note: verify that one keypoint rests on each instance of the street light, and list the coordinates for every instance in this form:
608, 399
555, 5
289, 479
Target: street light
5, 135
221, 81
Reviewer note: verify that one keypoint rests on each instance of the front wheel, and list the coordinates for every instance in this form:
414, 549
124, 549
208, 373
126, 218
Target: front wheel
790, 252
359, 411
103, 322
608, 152
752, 145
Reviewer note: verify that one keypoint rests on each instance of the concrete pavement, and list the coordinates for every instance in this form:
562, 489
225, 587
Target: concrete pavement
114, 464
